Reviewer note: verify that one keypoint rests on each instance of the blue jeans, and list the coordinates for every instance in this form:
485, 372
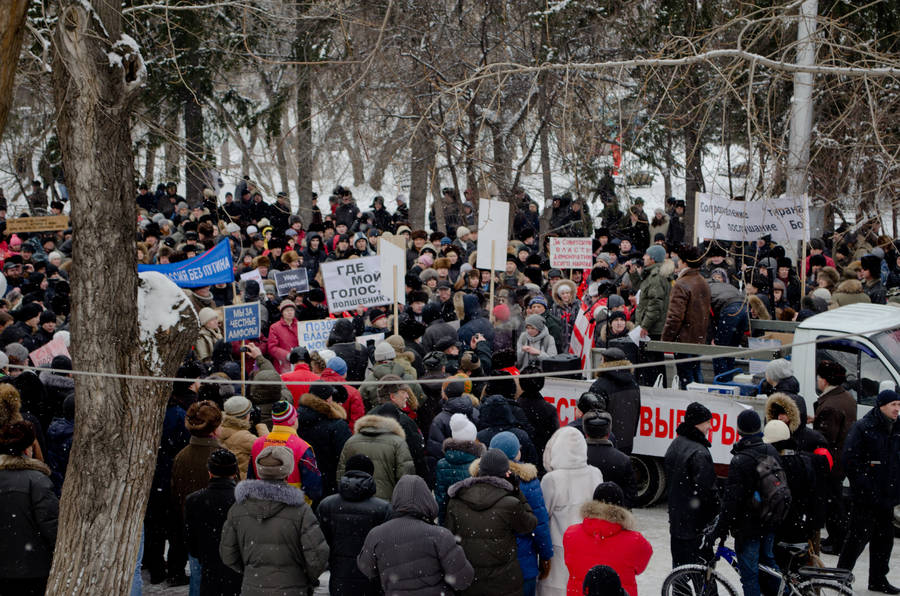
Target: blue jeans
753, 552
196, 575
732, 323
137, 583
688, 372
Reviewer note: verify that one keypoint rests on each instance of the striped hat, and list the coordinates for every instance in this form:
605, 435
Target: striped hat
283, 414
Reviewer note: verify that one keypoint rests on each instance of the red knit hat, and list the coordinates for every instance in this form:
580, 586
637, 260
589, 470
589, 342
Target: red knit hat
501, 312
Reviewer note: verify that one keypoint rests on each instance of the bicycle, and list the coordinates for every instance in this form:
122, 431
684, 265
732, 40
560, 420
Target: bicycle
704, 580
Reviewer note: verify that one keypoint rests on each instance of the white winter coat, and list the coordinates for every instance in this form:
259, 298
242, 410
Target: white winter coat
569, 482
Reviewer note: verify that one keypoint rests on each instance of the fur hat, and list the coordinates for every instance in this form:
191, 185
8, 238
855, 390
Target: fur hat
15, 438
776, 431
833, 373
493, 463
222, 463
203, 418
206, 315
275, 462
461, 428
238, 406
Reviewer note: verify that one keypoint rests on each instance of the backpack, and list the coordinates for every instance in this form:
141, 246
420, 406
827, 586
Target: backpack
772, 497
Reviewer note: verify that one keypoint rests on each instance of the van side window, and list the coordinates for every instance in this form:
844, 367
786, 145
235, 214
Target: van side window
864, 370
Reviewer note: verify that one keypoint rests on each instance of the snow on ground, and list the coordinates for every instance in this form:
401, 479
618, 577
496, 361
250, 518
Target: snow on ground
653, 523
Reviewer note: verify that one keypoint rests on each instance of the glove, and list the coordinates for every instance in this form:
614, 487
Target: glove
544, 566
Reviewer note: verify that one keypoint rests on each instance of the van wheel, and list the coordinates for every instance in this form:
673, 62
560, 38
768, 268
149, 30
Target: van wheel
650, 478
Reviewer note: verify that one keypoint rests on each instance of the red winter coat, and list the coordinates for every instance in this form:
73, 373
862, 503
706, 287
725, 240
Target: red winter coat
605, 537
301, 373
282, 338
354, 404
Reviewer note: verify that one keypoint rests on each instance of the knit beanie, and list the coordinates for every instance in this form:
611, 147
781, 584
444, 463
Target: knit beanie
696, 413
323, 392
603, 580
536, 321
493, 463
338, 365
275, 462
461, 428
886, 397
776, 431
283, 414
454, 389
501, 313
749, 423
657, 253
222, 462
361, 463
238, 406
609, 492
384, 351
508, 443
203, 418
206, 315
779, 369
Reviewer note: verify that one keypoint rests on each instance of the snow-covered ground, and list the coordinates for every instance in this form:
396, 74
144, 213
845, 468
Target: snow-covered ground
654, 525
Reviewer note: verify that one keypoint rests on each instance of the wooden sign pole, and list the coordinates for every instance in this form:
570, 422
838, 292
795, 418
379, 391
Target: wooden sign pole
396, 306
493, 275
243, 369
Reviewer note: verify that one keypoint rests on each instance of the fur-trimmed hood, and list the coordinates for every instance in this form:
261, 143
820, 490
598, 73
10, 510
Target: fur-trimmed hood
328, 409
274, 493
564, 283
475, 448
378, 425
607, 512
786, 403
849, 286
56, 381
15, 462
235, 424
525, 472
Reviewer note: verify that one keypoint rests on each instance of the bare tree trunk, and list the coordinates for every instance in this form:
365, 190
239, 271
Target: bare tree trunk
281, 161
304, 142
693, 179
195, 164
389, 148
12, 31
670, 164
546, 179
119, 420
173, 150
357, 163
421, 154
150, 164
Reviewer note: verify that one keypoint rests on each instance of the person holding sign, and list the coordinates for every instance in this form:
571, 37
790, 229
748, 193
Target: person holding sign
283, 337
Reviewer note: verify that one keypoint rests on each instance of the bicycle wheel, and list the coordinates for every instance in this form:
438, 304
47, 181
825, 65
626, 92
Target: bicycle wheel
824, 587
696, 580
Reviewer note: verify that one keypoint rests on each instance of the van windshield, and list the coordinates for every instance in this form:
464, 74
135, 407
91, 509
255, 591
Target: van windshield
889, 343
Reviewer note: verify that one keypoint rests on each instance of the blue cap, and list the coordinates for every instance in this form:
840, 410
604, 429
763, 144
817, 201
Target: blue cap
508, 443
338, 365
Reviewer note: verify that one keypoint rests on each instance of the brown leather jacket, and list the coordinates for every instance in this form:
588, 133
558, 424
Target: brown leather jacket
687, 320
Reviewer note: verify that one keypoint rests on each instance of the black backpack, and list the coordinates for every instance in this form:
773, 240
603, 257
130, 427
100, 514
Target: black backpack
772, 492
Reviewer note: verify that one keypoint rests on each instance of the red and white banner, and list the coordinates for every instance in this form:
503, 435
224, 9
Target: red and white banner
581, 342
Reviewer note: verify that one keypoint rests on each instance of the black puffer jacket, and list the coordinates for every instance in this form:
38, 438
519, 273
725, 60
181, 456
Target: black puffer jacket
440, 426
743, 480
346, 519
615, 466
29, 512
872, 460
205, 512
692, 500
495, 416
342, 341
541, 414
323, 425
807, 477
624, 403
409, 554
487, 512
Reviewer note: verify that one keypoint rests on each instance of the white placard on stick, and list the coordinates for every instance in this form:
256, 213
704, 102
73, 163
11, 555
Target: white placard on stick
493, 230
571, 253
393, 271
353, 282
722, 219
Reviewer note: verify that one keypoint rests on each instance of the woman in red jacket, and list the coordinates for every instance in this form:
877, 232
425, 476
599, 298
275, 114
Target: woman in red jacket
605, 537
283, 337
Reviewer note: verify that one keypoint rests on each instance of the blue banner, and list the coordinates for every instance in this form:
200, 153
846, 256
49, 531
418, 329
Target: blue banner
212, 267
242, 321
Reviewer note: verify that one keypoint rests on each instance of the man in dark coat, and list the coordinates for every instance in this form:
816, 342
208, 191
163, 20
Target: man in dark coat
687, 319
205, 512
496, 416
475, 322
603, 455
692, 500
872, 460
322, 423
624, 398
753, 541
540, 413
486, 511
391, 400
411, 556
346, 519
342, 341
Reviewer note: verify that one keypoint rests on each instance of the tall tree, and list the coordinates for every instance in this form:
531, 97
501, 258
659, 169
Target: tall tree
12, 30
97, 73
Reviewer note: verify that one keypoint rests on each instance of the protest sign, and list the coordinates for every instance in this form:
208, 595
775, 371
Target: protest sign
393, 271
45, 223
571, 253
242, 321
353, 282
314, 334
722, 219
211, 268
291, 279
363, 340
493, 232
44, 355
254, 275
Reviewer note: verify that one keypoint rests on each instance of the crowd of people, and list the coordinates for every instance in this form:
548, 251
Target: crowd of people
428, 461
